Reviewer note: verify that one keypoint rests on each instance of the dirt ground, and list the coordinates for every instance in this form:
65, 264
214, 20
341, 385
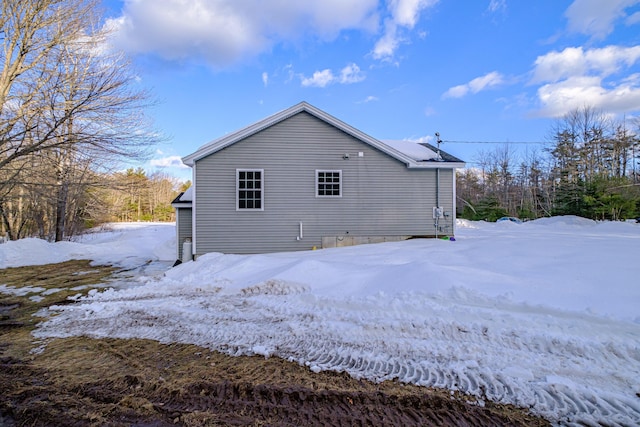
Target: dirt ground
88, 382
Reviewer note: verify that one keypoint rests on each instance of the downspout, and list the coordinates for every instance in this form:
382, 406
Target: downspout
437, 200
438, 187
438, 159
177, 234
455, 206
193, 211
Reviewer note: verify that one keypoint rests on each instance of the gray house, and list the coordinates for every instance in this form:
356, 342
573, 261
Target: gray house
302, 179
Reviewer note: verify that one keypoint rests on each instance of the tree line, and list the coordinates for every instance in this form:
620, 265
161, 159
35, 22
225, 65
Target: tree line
588, 167
130, 195
71, 109
136, 196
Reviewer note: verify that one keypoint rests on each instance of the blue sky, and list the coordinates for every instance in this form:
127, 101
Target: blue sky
492, 70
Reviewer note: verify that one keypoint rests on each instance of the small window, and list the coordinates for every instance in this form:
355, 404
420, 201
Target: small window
328, 183
249, 193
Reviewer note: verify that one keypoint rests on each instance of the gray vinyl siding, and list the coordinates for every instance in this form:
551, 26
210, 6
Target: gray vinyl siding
184, 221
380, 195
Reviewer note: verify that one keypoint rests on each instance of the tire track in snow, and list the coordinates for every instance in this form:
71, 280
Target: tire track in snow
510, 355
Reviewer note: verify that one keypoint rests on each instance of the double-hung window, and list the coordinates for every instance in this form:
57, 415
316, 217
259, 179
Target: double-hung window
250, 189
328, 183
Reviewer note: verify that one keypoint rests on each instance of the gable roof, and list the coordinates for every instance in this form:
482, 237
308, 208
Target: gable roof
404, 157
184, 199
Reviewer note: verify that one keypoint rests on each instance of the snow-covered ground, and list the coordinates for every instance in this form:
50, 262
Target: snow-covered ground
127, 244
544, 314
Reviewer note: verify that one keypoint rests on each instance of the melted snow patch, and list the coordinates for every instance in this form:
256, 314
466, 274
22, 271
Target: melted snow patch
22, 291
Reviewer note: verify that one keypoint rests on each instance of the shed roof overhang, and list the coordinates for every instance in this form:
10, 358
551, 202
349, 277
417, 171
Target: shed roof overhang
184, 199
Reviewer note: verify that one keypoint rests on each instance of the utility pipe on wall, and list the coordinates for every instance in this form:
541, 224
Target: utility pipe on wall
437, 187
437, 210
437, 215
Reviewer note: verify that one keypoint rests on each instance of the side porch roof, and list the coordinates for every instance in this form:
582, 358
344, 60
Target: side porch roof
184, 199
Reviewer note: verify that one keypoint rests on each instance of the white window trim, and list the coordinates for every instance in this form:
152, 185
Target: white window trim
238, 208
318, 171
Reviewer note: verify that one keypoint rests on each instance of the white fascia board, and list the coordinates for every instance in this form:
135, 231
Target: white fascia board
225, 141
182, 205
437, 165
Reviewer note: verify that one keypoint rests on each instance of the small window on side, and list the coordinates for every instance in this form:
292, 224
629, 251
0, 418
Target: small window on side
328, 183
250, 189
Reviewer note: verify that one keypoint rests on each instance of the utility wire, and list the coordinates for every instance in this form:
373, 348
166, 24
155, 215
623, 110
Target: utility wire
497, 142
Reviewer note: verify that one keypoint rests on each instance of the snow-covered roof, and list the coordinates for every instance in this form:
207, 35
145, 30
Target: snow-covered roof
184, 199
412, 149
232, 138
187, 196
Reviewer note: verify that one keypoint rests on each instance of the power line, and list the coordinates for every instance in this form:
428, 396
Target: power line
498, 142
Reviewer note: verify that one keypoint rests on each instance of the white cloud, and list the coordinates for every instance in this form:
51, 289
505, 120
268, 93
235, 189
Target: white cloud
348, 75
476, 85
560, 97
405, 12
386, 46
574, 61
265, 79
369, 98
633, 19
596, 18
319, 79
288, 70
404, 15
420, 139
456, 91
223, 32
488, 80
577, 77
497, 6
168, 162
351, 74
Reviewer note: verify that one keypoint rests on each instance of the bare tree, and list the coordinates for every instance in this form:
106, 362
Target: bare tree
32, 31
621, 149
66, 99
578, 144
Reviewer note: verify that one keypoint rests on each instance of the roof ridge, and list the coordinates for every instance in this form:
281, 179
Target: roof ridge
233, 137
